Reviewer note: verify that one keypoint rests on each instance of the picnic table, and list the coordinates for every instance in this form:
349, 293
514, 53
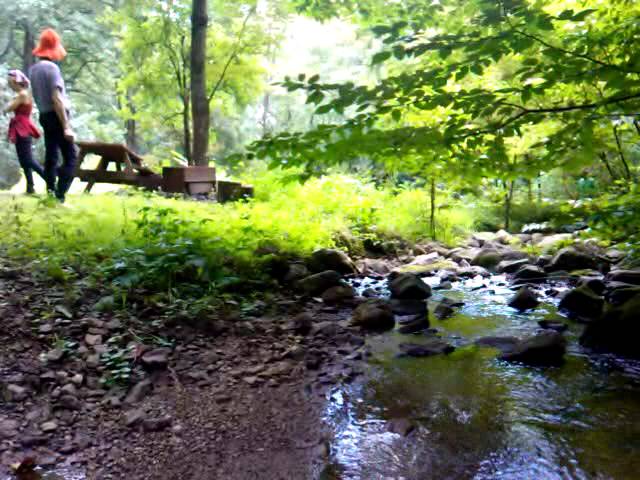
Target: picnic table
129, 166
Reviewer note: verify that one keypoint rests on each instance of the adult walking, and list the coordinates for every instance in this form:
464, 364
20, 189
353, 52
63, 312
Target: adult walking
21, 128
50, 95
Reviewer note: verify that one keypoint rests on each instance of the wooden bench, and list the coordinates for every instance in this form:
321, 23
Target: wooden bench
130, 167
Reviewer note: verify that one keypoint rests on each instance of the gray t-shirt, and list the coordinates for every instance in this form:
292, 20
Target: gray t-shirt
45, 78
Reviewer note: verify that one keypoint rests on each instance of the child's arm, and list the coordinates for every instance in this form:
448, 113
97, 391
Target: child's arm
21, 98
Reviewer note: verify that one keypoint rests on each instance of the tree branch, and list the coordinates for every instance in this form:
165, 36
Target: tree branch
233, 55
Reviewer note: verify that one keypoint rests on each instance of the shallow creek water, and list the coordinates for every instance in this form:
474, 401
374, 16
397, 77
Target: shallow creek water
477, 417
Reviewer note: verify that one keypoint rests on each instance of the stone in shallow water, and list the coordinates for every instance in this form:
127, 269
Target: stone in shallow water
524, 299
504, 344
409, 287
446, 308
545, 349
553, 325
582, 303
433, 346
401, 426
413, 323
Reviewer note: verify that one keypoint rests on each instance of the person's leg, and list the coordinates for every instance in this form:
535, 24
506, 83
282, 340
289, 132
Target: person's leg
23, 149
52, 133
68, 169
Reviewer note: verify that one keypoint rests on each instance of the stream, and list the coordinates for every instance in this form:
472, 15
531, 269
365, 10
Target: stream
476, 417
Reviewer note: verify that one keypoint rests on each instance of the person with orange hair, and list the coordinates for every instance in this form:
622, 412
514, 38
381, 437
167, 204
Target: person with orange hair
50, 95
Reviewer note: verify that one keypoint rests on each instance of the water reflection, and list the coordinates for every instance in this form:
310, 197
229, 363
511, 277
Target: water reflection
480, 418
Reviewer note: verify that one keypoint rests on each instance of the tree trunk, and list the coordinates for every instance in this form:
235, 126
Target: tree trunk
199, 98
432, 219
186, 129
28, 44
507, 204
621, 153
132, 133
603, 157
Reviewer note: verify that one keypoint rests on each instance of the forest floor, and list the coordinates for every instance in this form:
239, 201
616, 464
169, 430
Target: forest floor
242, 400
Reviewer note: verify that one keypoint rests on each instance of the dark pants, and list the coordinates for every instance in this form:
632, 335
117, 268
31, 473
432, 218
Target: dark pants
28, 164
54, 141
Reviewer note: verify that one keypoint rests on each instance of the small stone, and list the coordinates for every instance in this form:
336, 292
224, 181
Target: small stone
92, 340
16, 393
69, 389
93, 360
69, 402
45, 329
77, 379
8, 428
133, 417
48, 427
138, 392
55, 355
157, 359
156, 424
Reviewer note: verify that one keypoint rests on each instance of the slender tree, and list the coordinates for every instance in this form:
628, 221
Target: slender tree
199, 97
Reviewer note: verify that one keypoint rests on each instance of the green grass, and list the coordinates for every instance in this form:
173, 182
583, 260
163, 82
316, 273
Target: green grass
158, 242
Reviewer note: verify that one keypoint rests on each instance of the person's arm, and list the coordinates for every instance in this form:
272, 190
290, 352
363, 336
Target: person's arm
21, 98
61, 110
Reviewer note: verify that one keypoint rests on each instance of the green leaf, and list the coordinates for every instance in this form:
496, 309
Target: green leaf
580, 16
380, 57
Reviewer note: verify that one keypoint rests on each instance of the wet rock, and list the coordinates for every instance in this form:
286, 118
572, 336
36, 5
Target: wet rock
617, 292
374, 314
595, 284
511, 266
413, 324
320, 282
339, 294
301, 324
504, 344
408, 307
582, 304
444, 285
401, 426
553, 325
433, 346
524, 299
487, 258
617, 330
446, 308
328, 259
138, 392
570, 259
546, 349
625, 276
530, 274
156, 359
134, 417
471, 272
371, 266
409, 287
55, 355
156, 424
